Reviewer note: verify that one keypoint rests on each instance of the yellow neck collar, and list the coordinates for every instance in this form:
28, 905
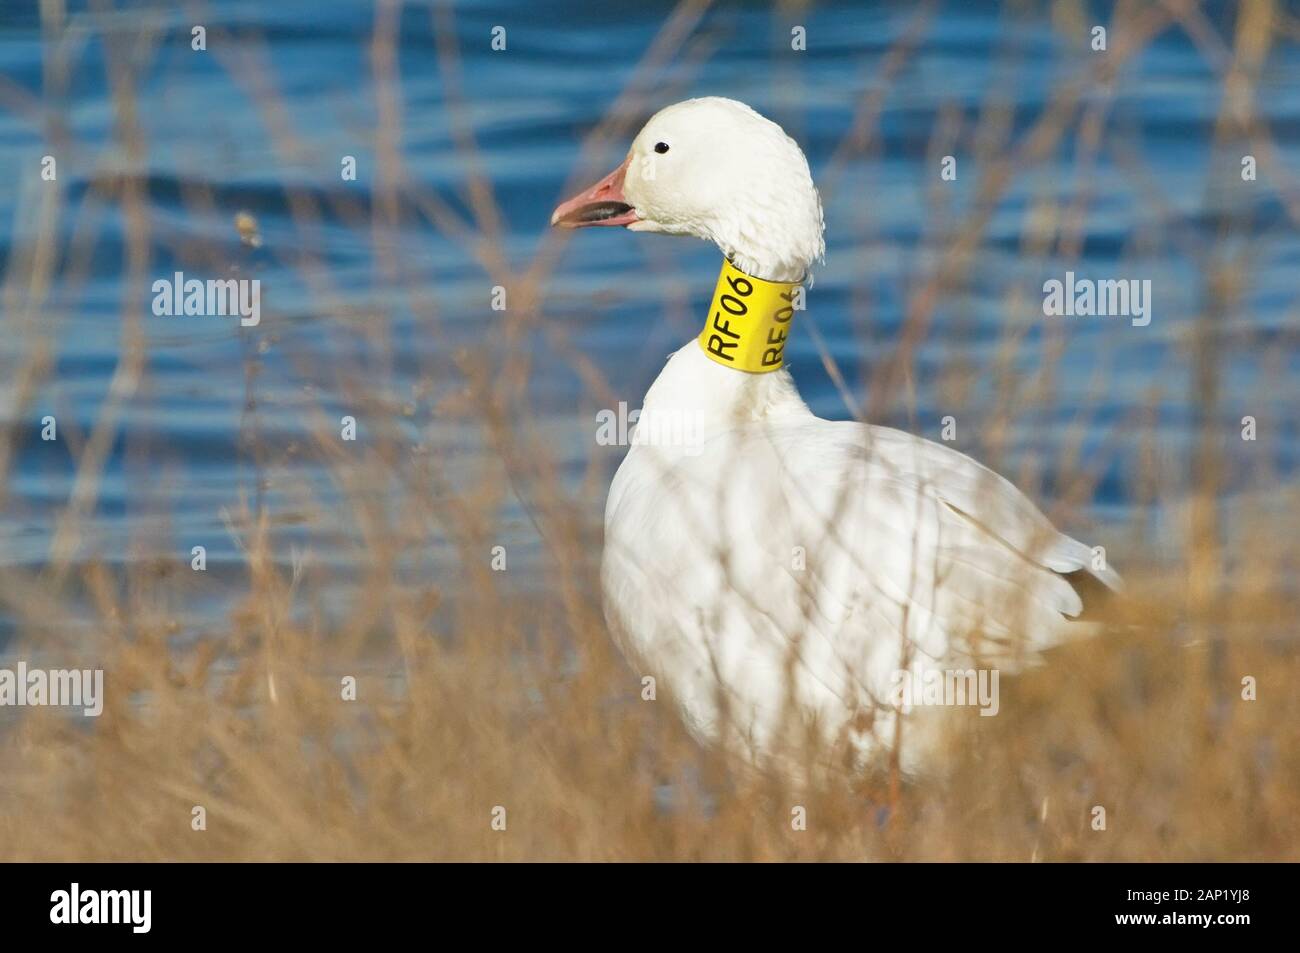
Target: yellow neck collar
749, 320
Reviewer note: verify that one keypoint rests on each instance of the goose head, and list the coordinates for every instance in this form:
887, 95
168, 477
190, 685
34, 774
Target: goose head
715, 169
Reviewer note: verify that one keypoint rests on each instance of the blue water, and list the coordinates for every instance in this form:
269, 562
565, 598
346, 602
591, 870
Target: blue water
373, 307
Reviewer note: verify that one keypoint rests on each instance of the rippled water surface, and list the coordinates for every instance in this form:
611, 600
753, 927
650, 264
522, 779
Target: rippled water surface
259, 123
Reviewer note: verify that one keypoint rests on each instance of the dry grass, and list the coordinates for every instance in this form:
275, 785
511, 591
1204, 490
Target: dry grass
477, 691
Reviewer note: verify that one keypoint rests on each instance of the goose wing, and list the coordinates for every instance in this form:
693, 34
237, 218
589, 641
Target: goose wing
951, 550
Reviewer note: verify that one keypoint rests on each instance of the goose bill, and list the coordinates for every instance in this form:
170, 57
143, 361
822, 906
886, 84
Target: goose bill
602, 204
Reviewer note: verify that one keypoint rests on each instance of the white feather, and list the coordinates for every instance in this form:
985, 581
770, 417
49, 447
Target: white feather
782, 564
913, 556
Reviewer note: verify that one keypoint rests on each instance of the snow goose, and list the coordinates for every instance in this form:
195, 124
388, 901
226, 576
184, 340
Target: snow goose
775, 572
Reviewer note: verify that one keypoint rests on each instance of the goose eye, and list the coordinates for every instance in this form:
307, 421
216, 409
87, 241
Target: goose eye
661, 147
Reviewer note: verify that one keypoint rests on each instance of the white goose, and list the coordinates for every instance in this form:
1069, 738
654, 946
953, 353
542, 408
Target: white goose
776, 569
